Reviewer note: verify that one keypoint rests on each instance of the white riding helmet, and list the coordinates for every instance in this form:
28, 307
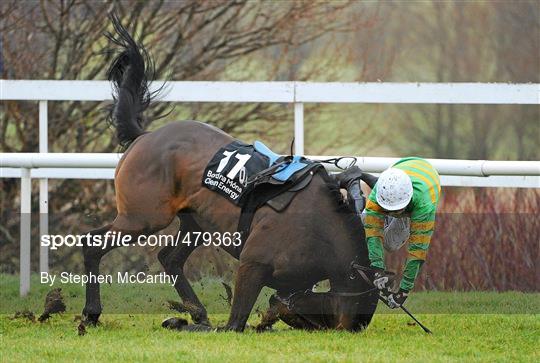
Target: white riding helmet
394, 189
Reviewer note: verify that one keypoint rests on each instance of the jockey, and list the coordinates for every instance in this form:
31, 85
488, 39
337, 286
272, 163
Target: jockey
400, 207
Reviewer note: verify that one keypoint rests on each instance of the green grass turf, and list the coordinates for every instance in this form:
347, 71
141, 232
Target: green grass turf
139, 337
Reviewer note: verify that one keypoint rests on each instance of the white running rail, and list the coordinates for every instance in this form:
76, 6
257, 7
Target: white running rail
101, 166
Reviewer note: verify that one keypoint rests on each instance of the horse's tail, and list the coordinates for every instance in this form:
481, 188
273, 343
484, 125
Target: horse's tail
130, 73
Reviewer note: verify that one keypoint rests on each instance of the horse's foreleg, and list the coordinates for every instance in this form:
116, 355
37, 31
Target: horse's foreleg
92, 258
249, 282
271, 316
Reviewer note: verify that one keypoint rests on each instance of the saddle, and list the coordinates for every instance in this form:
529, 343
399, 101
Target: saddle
285, 166
283, 170
277, 185
251, 176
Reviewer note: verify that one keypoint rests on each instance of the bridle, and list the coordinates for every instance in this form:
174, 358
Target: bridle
290, 300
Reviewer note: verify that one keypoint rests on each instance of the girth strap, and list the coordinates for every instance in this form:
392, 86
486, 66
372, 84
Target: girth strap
263, 193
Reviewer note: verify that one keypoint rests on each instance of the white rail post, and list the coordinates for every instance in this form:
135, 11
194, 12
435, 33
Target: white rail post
43, 189
299, 128
26, 198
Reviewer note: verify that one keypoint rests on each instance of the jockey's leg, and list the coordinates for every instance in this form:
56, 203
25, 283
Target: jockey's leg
355, 197
369, 179
350, 180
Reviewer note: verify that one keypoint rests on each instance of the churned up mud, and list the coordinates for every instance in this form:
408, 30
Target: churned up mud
54, 304
229, 294
25, 314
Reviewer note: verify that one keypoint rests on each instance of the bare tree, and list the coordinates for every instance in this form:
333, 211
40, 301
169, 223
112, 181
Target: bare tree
190, 40
472, 42
517, 57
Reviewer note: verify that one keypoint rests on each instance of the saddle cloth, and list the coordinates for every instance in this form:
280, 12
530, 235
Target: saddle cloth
238, 168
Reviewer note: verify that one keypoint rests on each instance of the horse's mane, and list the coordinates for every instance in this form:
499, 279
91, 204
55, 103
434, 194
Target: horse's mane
355, 227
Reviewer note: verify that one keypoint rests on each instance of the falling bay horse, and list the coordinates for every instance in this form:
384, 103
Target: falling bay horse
159, 177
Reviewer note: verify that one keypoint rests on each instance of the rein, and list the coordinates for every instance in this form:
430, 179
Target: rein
361, 271
289, 300
351, 294
269, 171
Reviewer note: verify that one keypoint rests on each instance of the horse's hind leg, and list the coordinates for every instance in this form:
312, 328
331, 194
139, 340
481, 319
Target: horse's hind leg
173, 258
92, 258
132, 226
249, 282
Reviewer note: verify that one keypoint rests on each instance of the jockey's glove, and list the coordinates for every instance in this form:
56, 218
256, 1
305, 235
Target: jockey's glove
395, 300
382, 279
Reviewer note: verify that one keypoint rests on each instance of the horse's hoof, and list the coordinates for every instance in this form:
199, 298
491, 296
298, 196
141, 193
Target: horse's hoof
91, 319
174, 323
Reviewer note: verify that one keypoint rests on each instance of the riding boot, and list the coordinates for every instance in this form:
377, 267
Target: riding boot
350, 180
349, 175
369, 179
355, 197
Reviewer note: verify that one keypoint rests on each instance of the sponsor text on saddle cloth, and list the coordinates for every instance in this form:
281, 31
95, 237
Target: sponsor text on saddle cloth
232, 168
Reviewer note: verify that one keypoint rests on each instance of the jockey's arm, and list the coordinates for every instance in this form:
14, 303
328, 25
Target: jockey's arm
374, 227
422, 226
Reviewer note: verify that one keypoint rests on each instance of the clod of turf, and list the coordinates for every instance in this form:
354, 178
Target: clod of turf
81, 329
411, 323
183, 308
54, 303
25, 314
228, 291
